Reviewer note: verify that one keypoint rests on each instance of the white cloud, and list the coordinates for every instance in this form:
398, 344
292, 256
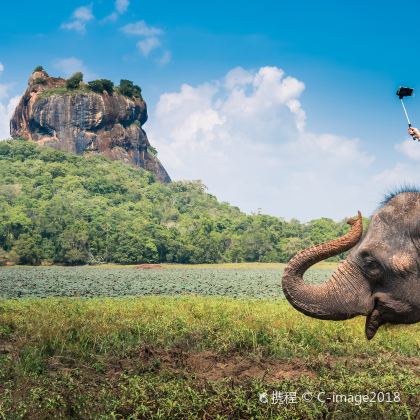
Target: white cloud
400, 174
7, 106
121, 6
4, 90
165, 58
80, 17
6, 111
151, 40
83, 13
410, 149
245, 136
75, 25
147, 45
141, 28
69, 65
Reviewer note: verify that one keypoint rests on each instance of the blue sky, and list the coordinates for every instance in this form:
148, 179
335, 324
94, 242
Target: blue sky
331, 142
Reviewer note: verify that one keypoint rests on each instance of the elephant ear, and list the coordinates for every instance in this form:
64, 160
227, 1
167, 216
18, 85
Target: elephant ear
414, 232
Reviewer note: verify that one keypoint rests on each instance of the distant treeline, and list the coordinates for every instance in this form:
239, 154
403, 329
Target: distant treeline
65, 209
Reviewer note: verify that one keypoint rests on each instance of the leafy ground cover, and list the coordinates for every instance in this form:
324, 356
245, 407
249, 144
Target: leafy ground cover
198, 357
234, 280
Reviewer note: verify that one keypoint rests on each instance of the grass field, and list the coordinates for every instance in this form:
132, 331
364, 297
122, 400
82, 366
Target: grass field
172, 357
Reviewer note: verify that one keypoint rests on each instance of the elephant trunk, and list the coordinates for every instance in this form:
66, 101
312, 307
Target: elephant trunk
345, 295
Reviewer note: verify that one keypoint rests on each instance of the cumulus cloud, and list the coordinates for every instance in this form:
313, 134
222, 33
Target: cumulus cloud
404, 171
6, 111
409, 149
245, 136
7, 106
69, 65
79, 18
150, 40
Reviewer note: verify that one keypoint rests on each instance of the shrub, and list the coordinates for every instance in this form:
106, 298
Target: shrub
96, 86
74, 81
99, 86
4, 258
127, 88
40, 81
38, 68
152, 150
137, 91
108, 85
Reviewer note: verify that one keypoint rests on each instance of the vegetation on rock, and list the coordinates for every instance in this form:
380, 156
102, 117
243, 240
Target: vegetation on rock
40, 81
74, 81
127, 88
74, 84
101, 85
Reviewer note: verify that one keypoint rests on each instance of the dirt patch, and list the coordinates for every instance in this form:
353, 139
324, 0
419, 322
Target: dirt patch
208, 365
148, 266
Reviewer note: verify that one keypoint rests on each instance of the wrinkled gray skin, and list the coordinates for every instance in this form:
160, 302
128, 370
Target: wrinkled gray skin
380, 278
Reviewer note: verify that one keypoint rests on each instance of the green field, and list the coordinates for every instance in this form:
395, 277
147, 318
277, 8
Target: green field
240, 280
186, 356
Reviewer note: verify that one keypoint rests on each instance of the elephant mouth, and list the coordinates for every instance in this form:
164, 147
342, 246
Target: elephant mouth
387, 310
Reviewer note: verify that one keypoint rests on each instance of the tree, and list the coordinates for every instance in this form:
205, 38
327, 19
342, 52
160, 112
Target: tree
74, 243
127, 88
38, 68
96, 86
108, 86
67, 209
101, 85
74, 81
4, 257
28, 250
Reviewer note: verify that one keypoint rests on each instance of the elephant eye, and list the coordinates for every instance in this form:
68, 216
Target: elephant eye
373, 268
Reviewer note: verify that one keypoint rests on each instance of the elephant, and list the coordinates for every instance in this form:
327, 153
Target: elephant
380, 277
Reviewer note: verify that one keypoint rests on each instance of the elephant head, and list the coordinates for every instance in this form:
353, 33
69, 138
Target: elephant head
379, 279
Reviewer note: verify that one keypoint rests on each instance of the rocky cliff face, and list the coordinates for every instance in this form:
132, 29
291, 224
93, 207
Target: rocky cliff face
83, 122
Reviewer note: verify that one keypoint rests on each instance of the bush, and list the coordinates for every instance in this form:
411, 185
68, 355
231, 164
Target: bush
152, 150
27, 249
108, 85
127, 88
96, 86
137, 91
40, 81
74, 81
38, 68
99, 86
4, 258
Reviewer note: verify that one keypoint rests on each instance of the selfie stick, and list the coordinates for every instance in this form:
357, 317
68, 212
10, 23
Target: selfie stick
402, 92
405, 112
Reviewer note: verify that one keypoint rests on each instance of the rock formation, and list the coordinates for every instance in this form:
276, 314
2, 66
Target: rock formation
84, 122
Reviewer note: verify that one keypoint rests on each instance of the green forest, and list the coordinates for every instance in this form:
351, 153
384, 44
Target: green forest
57, 208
